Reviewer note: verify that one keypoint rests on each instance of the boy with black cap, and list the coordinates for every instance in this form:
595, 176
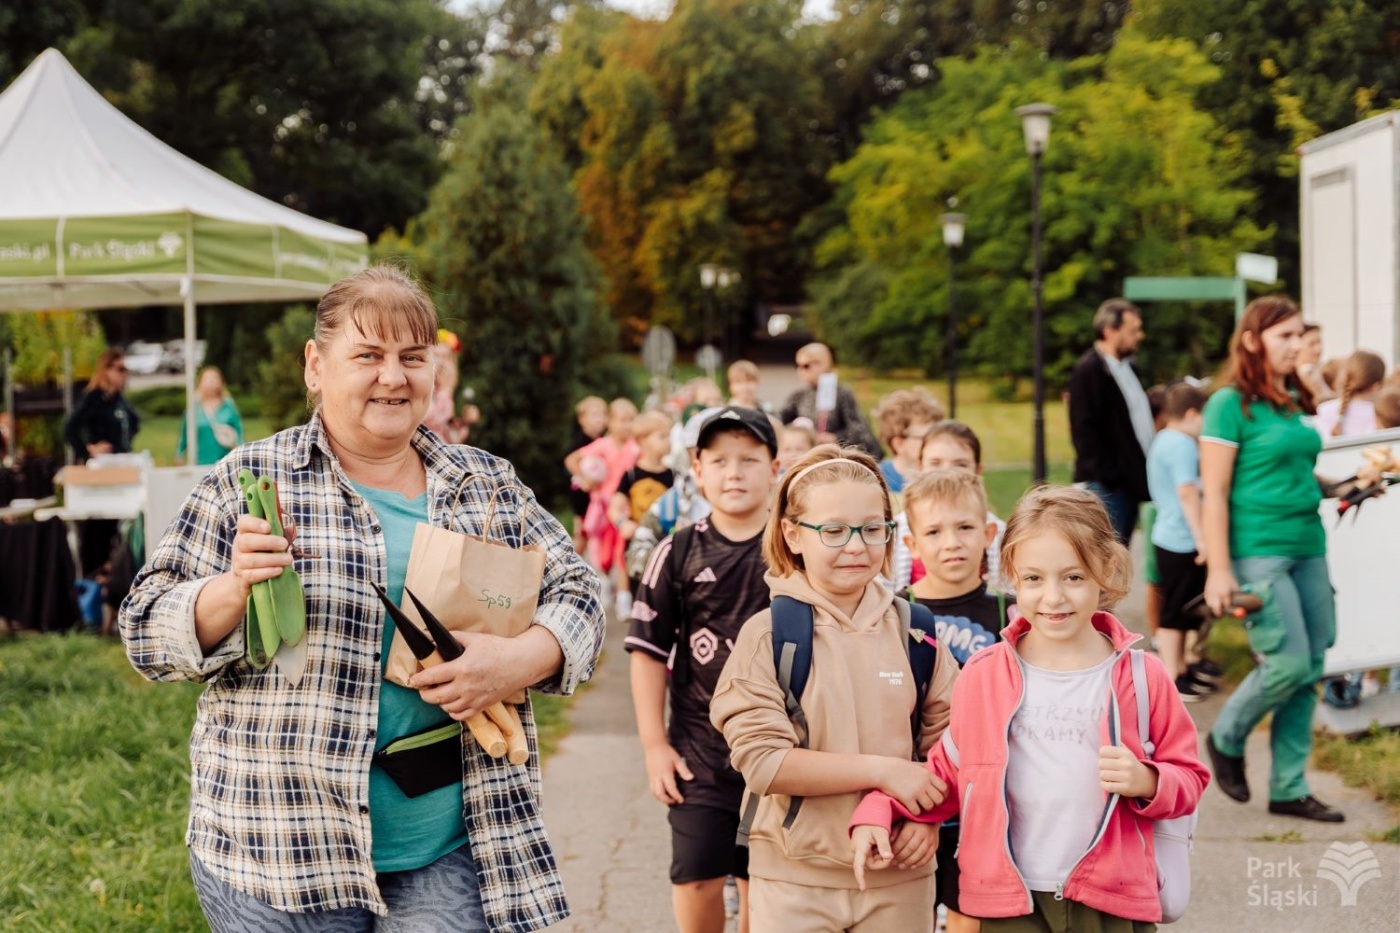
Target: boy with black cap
700, 586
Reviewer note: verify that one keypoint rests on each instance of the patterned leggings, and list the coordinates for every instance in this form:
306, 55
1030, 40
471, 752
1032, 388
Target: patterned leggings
439, 898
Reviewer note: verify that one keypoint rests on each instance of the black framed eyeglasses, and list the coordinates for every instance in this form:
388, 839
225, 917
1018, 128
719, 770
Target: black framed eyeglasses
838, 534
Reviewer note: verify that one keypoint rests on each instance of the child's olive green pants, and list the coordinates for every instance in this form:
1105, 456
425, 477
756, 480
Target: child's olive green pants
1064, 916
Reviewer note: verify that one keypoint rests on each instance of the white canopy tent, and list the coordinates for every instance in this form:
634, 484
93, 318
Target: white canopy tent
97, 213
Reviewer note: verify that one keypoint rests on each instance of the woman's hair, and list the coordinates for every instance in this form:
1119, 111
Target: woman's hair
791, 501
105, 360
1080, 518
957, 487
1388, 408
902, 408
1363, 371
1249, 369
223, 384
958, 431
381, 301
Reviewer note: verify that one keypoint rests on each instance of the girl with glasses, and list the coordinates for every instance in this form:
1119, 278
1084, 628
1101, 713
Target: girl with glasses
828, 539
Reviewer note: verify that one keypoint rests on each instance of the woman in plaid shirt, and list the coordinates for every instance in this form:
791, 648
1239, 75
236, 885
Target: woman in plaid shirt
291, 827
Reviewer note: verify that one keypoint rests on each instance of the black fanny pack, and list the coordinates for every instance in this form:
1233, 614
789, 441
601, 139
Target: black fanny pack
424, 761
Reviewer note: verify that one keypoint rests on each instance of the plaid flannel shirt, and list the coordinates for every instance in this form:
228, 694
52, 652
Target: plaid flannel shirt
280, 784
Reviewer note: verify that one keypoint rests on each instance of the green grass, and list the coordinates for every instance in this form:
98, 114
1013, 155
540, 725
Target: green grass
161, 433
94, 789
1371, 761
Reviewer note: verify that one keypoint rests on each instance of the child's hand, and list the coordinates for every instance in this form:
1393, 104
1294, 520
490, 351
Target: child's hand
915, 844
913, 785
663, 764
863, 840
1121, 773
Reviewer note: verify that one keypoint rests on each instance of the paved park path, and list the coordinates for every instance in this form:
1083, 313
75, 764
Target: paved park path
1251, 871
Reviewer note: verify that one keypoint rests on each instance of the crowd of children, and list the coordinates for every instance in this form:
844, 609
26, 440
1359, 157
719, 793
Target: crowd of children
868, 673
728, 519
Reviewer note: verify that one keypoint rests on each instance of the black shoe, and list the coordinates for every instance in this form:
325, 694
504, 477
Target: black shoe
1206, 686
1229, 771
1189, 690
1308, 808
1204, 669
1341, 693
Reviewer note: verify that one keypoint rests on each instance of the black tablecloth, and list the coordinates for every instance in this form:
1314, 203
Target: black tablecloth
31, 479
36, 576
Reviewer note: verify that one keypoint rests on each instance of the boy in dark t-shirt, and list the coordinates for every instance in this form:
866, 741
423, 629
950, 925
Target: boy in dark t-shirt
699, 587
949, 532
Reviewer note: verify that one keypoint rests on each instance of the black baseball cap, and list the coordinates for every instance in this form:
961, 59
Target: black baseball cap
736, 416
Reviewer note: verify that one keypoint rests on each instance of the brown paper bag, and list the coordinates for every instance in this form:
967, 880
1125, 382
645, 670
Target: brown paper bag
472, 584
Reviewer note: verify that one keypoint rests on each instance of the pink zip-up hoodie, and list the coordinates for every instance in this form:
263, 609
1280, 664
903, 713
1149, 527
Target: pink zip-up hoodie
1118, 874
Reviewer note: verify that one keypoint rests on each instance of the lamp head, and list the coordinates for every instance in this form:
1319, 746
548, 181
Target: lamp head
953, 227
1035, 124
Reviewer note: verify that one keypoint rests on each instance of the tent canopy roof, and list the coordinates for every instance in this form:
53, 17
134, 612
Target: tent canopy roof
96, 212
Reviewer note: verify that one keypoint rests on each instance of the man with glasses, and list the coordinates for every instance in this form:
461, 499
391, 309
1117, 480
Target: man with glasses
835, 414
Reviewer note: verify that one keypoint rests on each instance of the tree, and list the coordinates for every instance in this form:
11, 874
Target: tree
875, 50
694, 140
1291, 70
504, 249
1137, 181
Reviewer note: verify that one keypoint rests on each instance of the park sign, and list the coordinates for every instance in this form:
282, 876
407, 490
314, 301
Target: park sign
171, 245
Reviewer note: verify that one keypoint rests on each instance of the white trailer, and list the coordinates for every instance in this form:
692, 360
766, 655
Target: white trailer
1350, 225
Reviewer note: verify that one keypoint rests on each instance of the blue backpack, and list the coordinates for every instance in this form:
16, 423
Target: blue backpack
792, 656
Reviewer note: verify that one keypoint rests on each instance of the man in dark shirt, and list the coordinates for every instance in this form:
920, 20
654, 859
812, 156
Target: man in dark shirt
699, 587
1110, 420
841, 423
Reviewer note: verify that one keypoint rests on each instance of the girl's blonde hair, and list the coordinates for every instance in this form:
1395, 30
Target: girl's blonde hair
851, 465
1080, 518
1363, 370
951, 486
650, 421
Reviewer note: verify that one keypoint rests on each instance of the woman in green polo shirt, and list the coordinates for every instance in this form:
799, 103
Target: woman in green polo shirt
1262, 529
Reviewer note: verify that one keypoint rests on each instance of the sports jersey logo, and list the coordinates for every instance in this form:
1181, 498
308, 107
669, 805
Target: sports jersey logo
703, 646
706, 576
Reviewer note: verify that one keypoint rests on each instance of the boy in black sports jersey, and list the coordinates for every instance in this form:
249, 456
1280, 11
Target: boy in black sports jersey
699, 587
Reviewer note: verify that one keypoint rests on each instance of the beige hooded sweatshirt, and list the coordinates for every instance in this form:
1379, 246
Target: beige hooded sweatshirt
858, 700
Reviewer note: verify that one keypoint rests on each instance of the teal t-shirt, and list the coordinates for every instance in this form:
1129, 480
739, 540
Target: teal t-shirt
1273, 496
408, 833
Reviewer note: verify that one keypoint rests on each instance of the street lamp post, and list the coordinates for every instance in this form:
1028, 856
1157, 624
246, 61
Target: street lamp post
712, 277
953, 225
1035, 124
709, 275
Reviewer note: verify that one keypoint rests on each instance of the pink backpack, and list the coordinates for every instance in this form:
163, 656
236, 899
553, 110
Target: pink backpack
1171, 838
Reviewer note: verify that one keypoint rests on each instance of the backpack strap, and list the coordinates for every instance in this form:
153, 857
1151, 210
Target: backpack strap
792, 659
1001, 610
920, 642
681, 542
1139, 666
